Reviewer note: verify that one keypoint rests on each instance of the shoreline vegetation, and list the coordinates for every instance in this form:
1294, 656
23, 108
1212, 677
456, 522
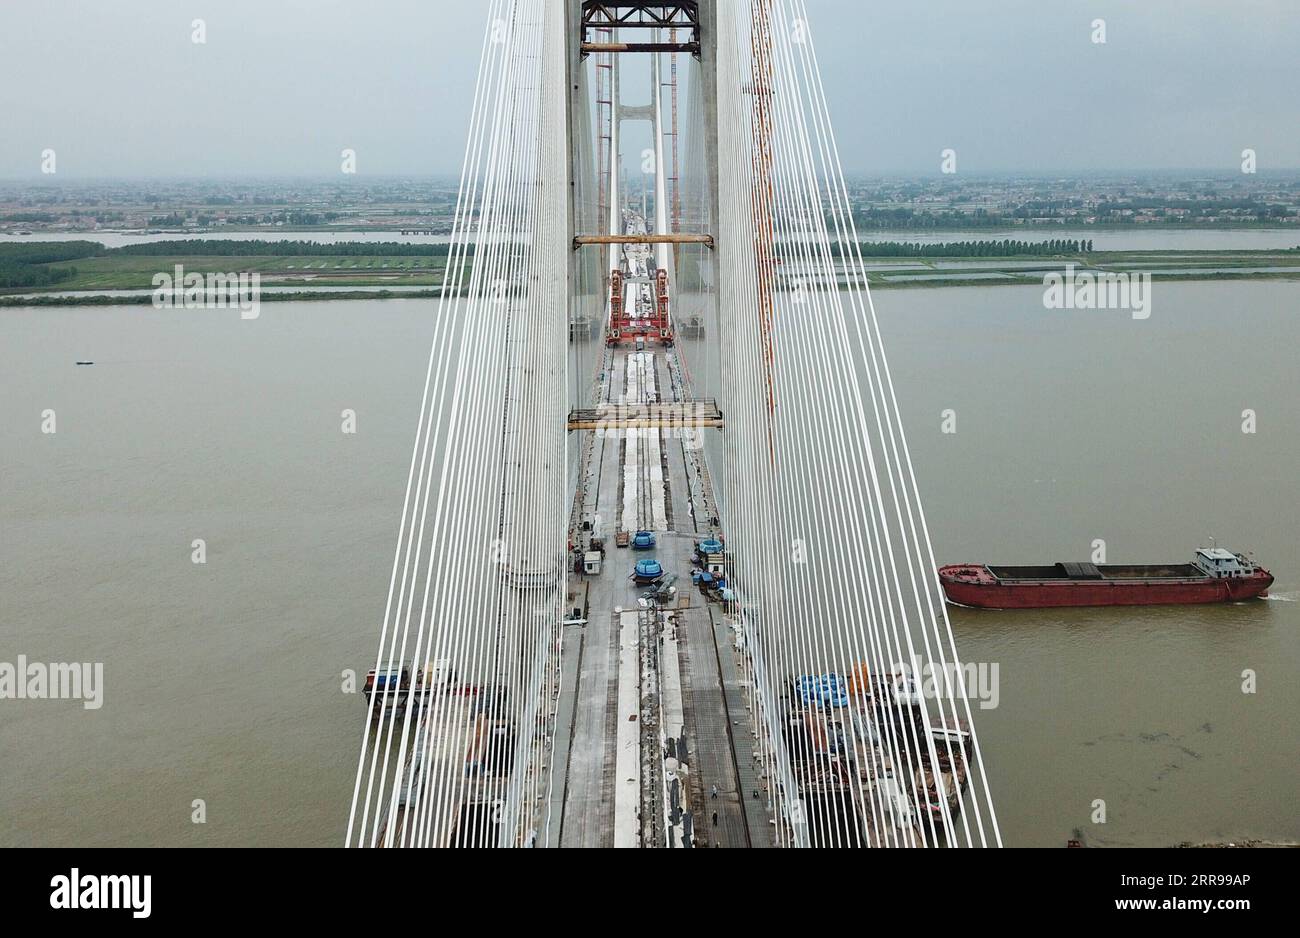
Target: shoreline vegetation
44, 273
443, 229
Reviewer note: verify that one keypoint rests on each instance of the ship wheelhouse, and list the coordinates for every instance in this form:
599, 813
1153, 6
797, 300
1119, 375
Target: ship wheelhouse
1222, 564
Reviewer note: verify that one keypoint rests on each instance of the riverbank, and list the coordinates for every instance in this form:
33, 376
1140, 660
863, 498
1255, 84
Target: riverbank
443, 229
128, 280
146, 299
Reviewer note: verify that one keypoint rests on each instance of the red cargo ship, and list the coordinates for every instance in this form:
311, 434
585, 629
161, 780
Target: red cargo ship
1215, 575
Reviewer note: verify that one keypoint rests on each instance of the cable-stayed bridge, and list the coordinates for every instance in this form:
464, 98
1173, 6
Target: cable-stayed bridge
662, 576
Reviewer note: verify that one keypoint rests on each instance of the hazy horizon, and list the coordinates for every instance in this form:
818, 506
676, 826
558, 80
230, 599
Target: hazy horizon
453, 176
277, 91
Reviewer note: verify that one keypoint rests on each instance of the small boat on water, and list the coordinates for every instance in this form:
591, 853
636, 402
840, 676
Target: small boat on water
838, 729
1215, 575
947, 786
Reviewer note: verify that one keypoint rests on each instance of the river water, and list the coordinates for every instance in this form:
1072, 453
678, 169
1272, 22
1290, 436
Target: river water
222, 680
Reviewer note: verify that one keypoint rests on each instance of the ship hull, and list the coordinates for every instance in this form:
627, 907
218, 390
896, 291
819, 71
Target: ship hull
989, 592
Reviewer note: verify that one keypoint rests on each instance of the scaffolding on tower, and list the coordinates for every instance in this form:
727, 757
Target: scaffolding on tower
762, 196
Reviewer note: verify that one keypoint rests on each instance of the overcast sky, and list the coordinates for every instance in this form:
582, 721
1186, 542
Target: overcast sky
281, 86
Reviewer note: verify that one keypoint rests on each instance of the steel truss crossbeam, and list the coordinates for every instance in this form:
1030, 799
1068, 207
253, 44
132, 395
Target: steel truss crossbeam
680, 238
603, 15
667, 415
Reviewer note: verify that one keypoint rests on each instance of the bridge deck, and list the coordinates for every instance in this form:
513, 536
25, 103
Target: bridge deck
588, 813
624, 491
713, 759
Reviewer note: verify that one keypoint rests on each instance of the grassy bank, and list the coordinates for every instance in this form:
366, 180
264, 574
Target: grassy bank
146, 299
137, 273
300, 270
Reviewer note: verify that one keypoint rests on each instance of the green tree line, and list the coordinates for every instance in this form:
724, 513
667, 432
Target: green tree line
991, 248
27, 265
224, 247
